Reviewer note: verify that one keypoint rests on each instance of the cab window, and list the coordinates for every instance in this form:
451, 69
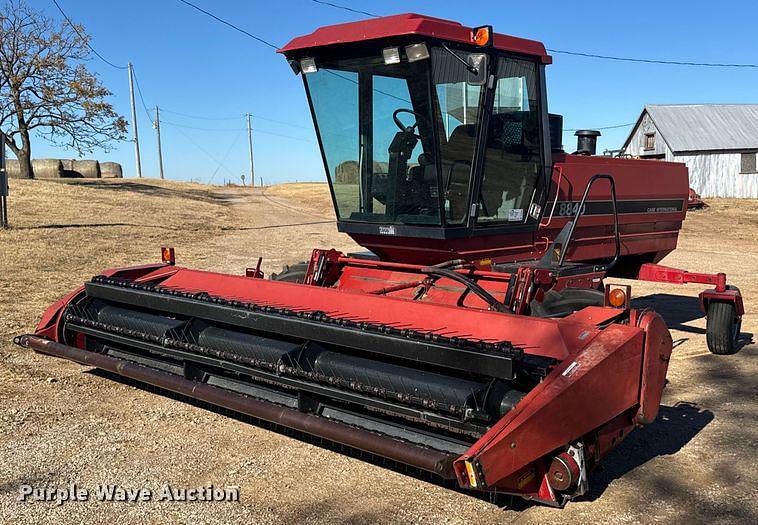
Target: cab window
459, 103
513, 157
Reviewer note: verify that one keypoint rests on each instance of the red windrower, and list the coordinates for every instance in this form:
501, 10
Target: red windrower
479, 338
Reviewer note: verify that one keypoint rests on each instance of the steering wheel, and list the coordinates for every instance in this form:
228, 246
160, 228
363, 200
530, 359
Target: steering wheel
402, 126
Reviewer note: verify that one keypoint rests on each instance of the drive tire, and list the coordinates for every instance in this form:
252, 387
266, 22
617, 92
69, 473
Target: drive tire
722, 328
291, 273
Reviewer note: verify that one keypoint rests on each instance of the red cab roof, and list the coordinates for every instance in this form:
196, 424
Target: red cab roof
408, 24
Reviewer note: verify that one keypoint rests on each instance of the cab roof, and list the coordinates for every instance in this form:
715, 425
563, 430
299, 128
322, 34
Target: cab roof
408, 24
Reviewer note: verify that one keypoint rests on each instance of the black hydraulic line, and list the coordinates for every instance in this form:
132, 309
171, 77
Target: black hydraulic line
468, 283
398, 287
452, 264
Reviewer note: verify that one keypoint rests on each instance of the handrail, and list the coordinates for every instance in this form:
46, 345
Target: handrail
579, 210
559, 169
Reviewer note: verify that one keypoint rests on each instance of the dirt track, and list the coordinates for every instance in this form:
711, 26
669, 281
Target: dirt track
62, 423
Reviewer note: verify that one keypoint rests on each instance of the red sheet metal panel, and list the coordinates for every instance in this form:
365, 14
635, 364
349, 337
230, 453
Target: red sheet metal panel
48, 324
565, 406
444, 291
658, 345
548, 337
652, 199
408, 24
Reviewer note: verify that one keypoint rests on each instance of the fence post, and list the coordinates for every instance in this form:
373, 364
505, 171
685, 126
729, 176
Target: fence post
3, 184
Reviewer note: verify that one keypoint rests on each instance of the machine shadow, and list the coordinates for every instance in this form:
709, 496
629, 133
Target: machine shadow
745, 339
94, 225
675, 310
673, 428
204, 195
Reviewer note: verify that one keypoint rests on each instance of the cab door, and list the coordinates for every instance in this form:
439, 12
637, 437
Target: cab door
513, 178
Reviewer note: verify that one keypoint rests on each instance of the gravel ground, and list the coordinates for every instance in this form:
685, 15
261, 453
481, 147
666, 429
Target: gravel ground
61, 423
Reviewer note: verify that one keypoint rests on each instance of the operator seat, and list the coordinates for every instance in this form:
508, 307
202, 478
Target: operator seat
456, 157
511, 161
419, 190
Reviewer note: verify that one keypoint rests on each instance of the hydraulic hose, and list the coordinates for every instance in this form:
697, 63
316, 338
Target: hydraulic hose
480, 292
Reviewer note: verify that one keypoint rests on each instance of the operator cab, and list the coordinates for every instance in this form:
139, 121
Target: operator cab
428, 129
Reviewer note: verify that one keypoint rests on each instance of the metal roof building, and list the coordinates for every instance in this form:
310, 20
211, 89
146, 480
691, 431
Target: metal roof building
717, 142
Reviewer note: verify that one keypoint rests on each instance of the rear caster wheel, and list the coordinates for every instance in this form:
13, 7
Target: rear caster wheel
722, 328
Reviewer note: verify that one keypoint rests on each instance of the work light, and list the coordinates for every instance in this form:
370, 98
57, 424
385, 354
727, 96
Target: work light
308, 65
417, 52
391, 55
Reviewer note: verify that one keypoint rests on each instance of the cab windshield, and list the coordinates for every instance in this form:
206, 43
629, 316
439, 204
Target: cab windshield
399, 139
374, 122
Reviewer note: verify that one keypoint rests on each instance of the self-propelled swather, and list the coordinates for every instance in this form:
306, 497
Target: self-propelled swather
476, 338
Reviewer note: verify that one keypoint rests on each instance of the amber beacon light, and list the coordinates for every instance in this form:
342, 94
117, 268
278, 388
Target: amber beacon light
482, 36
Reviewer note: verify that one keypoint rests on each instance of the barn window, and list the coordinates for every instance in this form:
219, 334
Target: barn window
649, 140
747, 163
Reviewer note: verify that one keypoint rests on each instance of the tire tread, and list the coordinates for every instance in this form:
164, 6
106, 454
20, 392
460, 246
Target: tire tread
719, 331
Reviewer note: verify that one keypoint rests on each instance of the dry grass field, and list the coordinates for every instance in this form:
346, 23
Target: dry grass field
63, 423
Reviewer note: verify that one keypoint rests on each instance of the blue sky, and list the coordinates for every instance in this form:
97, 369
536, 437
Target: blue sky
188, 63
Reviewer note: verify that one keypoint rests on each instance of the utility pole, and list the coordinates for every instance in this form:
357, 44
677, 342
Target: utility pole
134, 122
157, 126
3, 185
250, 147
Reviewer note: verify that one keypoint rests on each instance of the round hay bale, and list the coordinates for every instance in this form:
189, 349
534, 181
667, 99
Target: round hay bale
47, 168
381, 168
88, 169
346, 172
68, 169
111, 170
13, 168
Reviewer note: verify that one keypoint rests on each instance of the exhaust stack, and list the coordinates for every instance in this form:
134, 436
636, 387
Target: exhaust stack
586, 141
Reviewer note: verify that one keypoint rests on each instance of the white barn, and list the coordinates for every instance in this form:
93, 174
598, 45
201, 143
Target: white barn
717, 142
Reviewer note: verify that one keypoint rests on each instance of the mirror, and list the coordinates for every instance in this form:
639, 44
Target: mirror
478, 62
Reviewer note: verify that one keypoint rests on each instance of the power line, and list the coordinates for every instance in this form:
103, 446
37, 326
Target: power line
203, 117
197, 128
226, 155
198, 117
142, 99
375, 90
280, 122
198, 146
330, 4
257, 130
588, 55
236, 28
653, 61
615, 126
276, 47
85, 39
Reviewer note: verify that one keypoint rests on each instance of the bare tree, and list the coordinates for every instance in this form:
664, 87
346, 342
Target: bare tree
46, 89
